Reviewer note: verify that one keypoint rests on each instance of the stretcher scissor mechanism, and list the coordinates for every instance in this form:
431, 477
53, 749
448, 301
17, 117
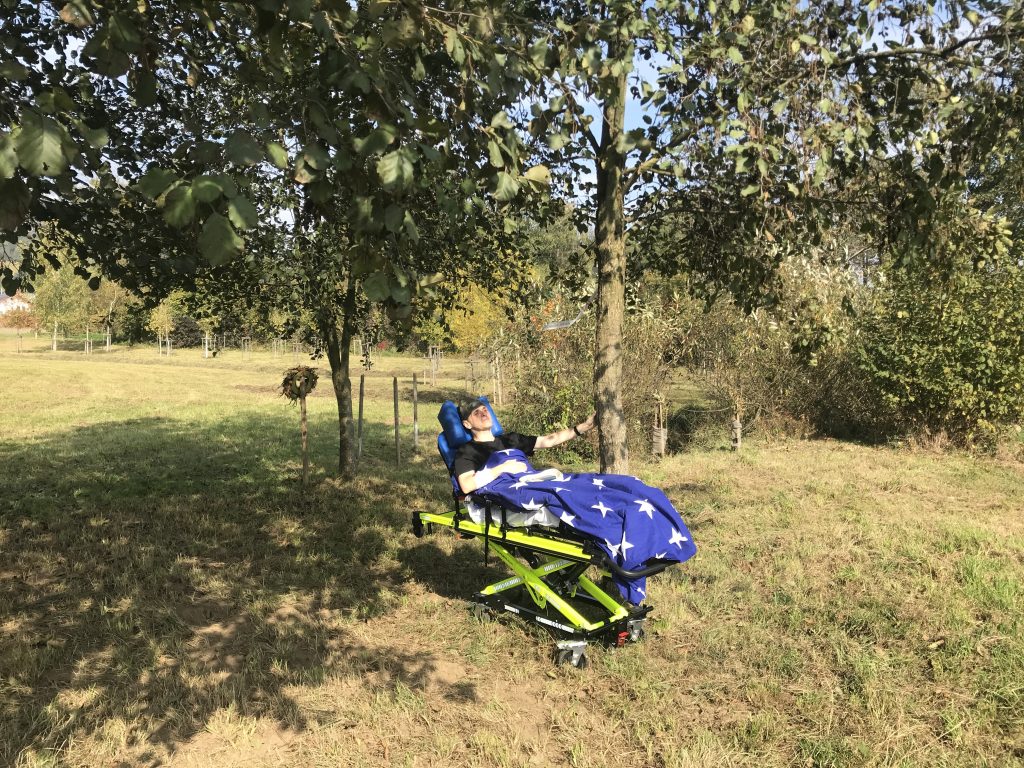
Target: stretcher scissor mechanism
551, 588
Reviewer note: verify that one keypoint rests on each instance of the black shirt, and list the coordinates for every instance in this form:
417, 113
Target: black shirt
473, 455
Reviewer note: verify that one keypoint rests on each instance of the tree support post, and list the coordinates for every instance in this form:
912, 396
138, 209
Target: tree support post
415, 417
398, 451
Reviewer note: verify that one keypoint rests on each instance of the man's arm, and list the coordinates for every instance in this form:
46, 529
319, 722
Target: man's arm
472, 481
564, 435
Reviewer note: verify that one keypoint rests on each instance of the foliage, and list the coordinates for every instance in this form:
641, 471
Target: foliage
20, 318
762, 123
186, 332
553, 386
62, 301
299, 382
946, 352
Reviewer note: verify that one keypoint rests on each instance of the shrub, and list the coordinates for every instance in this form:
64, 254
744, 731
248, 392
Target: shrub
948, 355
187, 332
553, 388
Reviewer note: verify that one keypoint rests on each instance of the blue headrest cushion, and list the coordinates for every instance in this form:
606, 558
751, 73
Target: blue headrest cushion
453, 434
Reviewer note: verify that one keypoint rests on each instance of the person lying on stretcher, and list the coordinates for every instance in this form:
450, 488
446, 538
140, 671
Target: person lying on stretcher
634, 523
471, 458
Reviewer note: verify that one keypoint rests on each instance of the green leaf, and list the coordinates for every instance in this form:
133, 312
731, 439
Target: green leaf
97, 137
278, 155
155, 181
539, 174
242, 149
410, 227
363, 214
401, 294
124, 32
41, 144
205, 189
539, 52
808, 40
556, 141
749, 190
396, 169
734, 55
180, 207
8, 157
316, 157
376, 286
15, 199
393, 217
227, 184
506, 187
218, 242
14, 71
495, 154
320, 191
243, 213
377, 141
501, 120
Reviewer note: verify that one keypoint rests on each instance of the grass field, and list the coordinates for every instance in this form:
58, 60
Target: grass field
170, 595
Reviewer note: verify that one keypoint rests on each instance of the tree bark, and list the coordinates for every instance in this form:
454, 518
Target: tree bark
610, 245
338, 342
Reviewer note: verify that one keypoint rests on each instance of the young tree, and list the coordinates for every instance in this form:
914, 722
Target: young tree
374, 116
61, 302
753, 119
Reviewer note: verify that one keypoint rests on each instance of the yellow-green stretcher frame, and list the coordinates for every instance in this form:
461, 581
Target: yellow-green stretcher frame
556, 555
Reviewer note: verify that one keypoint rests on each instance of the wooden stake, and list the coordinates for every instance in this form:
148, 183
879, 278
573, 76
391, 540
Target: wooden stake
359, 442
305, 437
398, 451
415, 417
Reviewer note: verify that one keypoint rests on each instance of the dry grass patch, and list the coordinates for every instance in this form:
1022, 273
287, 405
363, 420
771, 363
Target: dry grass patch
169, 595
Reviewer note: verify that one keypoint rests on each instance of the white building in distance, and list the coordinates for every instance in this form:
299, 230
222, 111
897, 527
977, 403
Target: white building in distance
12, 303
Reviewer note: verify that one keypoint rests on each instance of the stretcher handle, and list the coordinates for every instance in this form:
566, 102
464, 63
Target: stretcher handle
603, 561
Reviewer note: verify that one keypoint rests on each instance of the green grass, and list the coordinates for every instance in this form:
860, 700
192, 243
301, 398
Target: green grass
169, 594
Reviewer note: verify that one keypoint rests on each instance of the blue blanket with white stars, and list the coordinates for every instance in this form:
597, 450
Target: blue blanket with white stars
632, 522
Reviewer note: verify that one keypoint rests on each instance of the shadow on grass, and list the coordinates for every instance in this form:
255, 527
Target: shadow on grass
156, 571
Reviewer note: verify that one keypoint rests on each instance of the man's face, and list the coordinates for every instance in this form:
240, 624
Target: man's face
479, 419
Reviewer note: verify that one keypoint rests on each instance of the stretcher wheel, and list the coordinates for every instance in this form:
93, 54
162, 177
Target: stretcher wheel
566, 656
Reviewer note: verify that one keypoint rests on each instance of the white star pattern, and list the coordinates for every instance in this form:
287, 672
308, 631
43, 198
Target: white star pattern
533, 505
645, 506
677, 538
660, 555
625, 544
600, 507
613, 547
566, 518
563, 490
520, 484
642, 592
598, 482
507, 451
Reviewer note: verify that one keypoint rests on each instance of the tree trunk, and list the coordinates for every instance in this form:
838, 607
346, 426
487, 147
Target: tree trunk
610, 245
338, 345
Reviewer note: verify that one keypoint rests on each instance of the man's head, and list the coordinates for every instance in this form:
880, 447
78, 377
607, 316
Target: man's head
476, 416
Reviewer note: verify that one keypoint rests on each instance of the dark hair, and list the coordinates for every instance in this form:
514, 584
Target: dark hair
468, 406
